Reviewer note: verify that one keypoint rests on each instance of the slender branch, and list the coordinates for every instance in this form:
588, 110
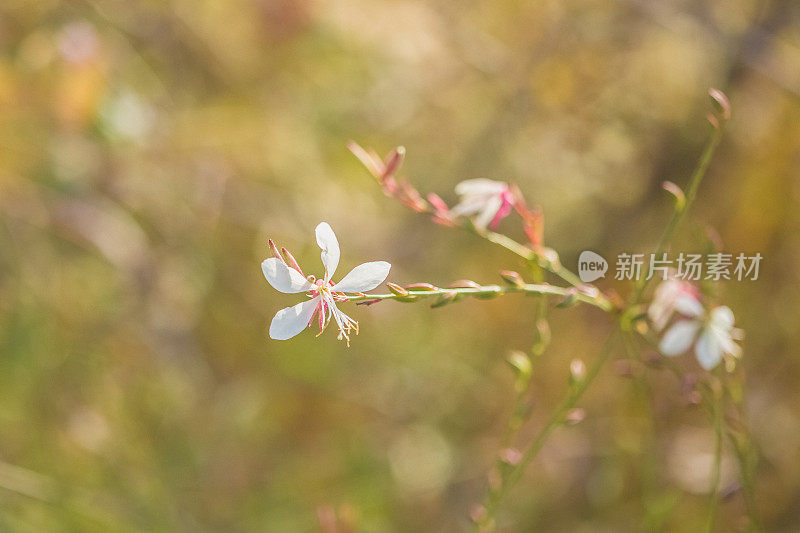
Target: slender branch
495, 497
682, 207
551, 264
743, 459
487, 291
643, 399
716, 412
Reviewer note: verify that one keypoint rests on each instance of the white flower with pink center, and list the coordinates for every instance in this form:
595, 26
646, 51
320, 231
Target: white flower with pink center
490, 201
323, 293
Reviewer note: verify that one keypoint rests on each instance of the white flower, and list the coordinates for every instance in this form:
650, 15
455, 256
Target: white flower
673, 295
323, 292
716, 337
490, 200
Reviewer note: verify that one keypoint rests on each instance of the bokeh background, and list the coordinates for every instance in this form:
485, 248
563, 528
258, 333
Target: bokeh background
149, 149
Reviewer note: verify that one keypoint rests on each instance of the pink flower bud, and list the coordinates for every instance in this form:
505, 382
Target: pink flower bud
397, 289
291, 261
464, 284
511, 456
574, 416
421, 287
512, 278
274, 249
577, 370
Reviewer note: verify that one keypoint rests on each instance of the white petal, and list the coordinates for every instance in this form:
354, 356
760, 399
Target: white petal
290, 321
480, 186
284, 278
724, 339
688, 306
326, 240
659, 314
364, 277
469, 206
489, 211
722, 317
678, 338
708, 351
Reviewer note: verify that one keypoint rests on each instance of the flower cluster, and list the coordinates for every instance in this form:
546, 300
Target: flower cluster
676, 313
486, 203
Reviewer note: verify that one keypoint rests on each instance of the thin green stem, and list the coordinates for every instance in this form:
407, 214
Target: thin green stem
552, 264
495, 497
644, 400
743, 460
487, 291
682, 207
716, 412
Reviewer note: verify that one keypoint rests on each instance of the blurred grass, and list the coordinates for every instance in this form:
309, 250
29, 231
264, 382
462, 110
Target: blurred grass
148, 149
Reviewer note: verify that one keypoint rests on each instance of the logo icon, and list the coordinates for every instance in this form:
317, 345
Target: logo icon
591, 266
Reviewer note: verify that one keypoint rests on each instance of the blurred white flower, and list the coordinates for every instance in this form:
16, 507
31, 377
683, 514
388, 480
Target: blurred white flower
716, 337
323, 292
673, 295
490, 200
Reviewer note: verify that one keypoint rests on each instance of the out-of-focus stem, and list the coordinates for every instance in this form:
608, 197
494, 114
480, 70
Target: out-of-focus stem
529, 254
746, 476
682, 208
644, 400
576, 390
716, 407
489, 291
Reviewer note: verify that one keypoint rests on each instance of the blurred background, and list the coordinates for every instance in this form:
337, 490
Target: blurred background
149, 149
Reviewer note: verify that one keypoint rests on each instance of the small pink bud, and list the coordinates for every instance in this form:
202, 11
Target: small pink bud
512, 278
393, 162
369, 160
477, 513
437, 202
421, 287
274, 249
722, 101
464, 284
397, 289
511, 456
574, 416
532, 219
410, 197
577, 370
551, 256
441, 213
291, 261
674, 190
